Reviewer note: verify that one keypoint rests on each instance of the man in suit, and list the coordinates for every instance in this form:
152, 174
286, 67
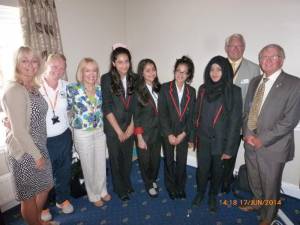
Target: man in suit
244, 70
271, 113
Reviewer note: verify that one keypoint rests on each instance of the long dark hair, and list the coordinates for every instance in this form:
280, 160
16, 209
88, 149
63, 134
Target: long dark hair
224, 86
190, 65
116, 84
142, 92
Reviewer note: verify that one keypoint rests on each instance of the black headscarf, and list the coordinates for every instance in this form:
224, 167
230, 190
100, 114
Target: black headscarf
223, 87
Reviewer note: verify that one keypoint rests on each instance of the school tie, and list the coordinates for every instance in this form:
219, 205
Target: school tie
256, 104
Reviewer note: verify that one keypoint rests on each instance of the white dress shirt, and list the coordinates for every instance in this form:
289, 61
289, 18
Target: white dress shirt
124, 82
180, 93
268, 85
153, 94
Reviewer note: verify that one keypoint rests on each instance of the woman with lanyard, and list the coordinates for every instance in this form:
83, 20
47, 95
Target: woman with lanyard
85, 102
59, 136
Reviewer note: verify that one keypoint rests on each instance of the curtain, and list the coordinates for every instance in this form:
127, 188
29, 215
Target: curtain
40, 26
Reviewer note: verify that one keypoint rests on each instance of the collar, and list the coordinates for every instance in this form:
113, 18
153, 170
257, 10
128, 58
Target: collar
237, 62
273, 76
149, 87
182, 89
48, 87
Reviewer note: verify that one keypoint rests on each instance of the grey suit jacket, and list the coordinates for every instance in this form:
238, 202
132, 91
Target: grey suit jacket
278, 117
246, 72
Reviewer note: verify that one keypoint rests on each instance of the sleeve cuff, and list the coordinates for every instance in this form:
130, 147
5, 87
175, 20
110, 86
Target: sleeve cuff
138, 130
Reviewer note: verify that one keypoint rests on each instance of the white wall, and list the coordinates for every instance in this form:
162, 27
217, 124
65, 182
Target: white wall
88, 29
165, 30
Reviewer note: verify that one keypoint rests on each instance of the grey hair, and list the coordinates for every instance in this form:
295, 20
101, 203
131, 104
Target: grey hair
278, 47
236, 35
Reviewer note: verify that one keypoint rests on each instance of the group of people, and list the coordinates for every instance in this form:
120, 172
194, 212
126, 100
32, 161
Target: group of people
121, 107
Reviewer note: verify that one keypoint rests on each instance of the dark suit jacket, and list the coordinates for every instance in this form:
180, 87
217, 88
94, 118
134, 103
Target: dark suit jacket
121, 108
278, 117
146, 117
226, 124
175, 118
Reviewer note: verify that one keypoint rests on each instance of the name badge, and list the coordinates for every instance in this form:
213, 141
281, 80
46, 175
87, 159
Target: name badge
63, 94
245, 81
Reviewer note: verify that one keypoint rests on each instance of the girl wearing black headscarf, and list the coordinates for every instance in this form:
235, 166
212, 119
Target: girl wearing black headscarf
218, 122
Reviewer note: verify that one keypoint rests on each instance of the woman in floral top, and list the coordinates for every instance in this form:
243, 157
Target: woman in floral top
85, 102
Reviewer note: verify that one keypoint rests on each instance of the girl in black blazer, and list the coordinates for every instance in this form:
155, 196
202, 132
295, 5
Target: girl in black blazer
176, 108
218, 121
118, 107
146, 121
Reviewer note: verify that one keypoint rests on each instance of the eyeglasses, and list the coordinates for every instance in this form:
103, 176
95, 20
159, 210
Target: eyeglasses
272, 58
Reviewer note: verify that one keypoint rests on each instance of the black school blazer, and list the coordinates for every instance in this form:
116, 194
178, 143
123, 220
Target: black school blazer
227, 125
121, 107
175, 118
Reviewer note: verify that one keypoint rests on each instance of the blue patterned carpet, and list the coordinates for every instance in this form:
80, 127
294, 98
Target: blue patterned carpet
142, 210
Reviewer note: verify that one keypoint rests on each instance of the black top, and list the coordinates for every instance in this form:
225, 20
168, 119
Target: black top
122, 107
175, 118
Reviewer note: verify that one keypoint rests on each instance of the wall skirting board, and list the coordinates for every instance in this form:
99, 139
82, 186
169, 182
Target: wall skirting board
287, 188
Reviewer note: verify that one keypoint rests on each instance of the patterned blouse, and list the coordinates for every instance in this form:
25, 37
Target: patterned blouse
87, 111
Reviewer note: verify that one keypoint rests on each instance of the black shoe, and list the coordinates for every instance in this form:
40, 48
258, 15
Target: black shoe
130, 191
212, 204
124, 197
172, 195
197, 200
181, 195
225, 188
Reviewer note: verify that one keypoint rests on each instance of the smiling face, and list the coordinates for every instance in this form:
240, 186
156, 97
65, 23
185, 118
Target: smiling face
149, 73
215, 72
90, 74
235, 49
181, 74
270, 60
122, 64
55, 69
28, 66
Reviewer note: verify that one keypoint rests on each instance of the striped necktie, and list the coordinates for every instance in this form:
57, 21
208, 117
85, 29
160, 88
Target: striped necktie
256, 105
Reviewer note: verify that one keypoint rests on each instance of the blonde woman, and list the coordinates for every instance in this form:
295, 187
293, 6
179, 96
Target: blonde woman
85, 102
26, 139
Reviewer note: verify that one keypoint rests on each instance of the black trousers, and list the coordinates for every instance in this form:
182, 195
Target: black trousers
1, 218
175, 171
149, 161
120, 157
208, 165
229, 164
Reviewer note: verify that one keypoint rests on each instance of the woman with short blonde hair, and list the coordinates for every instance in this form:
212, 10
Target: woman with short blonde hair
85, 102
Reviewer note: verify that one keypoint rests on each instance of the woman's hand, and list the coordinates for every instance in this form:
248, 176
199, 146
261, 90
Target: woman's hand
180, 137
40, 163
225, 156
121, 136
141, 142
129, 131
172, 139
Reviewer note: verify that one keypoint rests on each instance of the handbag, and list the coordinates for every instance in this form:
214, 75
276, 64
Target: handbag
77, 180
